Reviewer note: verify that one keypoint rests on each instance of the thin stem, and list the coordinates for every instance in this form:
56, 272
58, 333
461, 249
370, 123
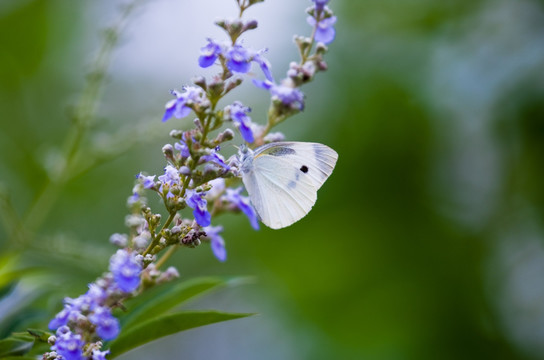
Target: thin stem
83, 119
157, 238
166, 256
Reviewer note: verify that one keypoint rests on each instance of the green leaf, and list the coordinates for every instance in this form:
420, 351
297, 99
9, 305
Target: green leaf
167, 325
161, 299
19, 358
40, 335
13, 346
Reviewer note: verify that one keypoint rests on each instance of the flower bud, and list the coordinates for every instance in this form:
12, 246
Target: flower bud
200, 81
176, 134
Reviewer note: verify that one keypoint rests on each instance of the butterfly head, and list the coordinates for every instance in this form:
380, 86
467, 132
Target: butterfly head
245, 156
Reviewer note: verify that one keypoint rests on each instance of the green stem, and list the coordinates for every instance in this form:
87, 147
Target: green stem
166, 256
157, 237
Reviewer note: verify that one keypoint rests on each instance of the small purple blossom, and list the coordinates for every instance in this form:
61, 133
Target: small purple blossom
238, 114
242, 202
289, 96
68, 345
216, 241
197, 202
320, 4
325, 31
216, 158
183, 149
238, 59
147, 181
107, 326
75, 308
99, 355
170, 178
179, 107
126, 270
209, 53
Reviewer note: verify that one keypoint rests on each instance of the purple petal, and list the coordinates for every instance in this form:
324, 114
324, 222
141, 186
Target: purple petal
241, 67
206, 61
326, 35
202, 217
170, 108
246, 132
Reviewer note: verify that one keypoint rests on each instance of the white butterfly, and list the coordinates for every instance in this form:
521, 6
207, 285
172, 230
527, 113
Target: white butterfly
282, 179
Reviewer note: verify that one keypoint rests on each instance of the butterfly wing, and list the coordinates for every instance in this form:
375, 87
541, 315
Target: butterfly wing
284, 180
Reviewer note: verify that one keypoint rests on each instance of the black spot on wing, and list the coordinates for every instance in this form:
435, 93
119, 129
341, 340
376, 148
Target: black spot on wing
281, 151
304, 169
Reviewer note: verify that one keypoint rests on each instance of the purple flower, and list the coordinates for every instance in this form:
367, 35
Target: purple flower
325, 32
126, 270
289, 96
147, 181
61, 319
96, 296
216, 158
265, 66
69, 345
107, 326
238, 114
74, 308
209, 53
216, 241
183, 149
197, 202
99, 355
238, 59
242, 202
179, 107
170, 178
320, 4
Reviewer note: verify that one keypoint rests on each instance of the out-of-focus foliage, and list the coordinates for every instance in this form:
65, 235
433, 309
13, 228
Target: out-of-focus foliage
425, 243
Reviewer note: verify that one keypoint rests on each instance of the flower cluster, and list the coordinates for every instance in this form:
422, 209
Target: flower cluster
89, 316
197, 184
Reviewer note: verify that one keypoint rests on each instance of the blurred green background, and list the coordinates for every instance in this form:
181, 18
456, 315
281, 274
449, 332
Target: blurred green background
425, 243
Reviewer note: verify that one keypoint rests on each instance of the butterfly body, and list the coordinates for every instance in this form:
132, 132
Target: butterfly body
282, 179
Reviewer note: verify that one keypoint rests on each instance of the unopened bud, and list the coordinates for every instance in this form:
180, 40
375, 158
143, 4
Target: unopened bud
176, 134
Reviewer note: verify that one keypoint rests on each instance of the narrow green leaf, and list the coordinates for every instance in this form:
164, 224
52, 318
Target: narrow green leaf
15, 346
40, 335
18, 358
160, 300
166, 325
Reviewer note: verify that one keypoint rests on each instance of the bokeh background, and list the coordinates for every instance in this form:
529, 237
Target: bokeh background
425, 243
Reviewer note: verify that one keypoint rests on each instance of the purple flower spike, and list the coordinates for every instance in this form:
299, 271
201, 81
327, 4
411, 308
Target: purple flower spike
238, 114
325, 31
197, 202
126, 270
238, 59
107, 326
242, 203
178, 107
216, 241
209, 53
